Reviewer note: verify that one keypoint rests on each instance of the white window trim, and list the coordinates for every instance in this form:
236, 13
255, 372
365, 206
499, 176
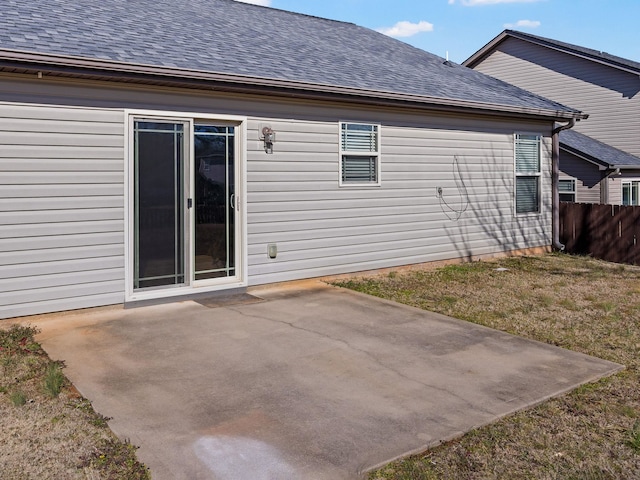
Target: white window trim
538, 174
241, 171
629, 181
575, 187
376, 154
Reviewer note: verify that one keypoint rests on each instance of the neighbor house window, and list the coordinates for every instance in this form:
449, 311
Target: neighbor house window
631, 192
528, 173
567, 189
359, 154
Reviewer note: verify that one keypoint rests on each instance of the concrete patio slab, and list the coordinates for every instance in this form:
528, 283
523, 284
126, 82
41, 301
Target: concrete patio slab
314, 382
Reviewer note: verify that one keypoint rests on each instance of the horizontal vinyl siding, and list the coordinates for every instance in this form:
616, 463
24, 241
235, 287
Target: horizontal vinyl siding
615, 188
615, 185
61, 208
320, 228
611, 97
62, 202
587, 176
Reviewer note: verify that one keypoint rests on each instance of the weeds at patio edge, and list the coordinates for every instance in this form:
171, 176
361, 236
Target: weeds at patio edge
49, 431
577, 303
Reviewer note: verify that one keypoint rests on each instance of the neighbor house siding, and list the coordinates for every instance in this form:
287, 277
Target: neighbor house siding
61, 208
615, 185
587, 175
610, 96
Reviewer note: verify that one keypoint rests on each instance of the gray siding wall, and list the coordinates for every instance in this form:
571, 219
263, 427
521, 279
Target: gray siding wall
61, 208
587, 176
615, 188
320, 228
72, 189
611, 97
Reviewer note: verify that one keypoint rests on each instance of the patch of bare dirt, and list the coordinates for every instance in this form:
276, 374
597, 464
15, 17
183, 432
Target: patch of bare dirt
50, 432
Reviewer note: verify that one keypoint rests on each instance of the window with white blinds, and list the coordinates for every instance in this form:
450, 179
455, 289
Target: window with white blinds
359, 154
528, 173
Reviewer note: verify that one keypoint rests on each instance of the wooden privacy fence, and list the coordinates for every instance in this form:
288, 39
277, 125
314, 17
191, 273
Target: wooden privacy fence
608, 232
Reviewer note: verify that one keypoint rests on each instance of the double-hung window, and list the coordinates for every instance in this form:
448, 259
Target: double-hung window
359, 154
528, 173
631, 192
567, 189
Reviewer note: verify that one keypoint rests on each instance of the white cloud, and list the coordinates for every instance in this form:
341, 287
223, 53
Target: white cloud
407, 29
474, 3
523, 24
264, 3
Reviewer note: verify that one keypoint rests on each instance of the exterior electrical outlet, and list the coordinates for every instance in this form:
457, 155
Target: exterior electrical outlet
272, 250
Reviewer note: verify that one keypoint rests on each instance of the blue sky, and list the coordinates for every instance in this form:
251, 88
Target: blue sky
463, 26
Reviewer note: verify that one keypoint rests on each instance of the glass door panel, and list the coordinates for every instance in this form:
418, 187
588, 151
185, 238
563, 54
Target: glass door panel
159, 241
214, 216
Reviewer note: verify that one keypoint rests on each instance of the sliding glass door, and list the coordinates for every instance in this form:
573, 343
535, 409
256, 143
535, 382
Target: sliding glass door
159, 220
214, 202
184, 226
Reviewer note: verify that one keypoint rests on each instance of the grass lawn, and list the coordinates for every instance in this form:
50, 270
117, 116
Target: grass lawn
576, 303
48, 430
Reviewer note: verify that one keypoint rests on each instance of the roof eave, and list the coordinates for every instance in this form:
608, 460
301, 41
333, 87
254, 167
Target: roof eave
625, 167
601, 164
80, 67
474, 59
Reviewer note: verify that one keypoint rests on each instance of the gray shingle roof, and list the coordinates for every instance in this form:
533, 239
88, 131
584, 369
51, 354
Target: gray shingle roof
224, 36
599, 152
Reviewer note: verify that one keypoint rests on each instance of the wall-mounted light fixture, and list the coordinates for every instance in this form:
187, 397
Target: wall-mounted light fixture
269, 138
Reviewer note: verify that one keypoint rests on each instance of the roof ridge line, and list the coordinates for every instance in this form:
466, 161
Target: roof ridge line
295, 13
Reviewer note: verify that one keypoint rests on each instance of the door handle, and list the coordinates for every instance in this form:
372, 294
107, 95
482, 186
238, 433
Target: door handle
232, 201
189, 202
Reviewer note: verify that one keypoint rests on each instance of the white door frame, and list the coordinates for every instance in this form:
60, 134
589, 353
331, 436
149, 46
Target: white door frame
200, 286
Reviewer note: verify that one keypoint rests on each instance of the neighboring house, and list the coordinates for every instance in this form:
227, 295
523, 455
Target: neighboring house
603, 164
591, 161
149, 151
